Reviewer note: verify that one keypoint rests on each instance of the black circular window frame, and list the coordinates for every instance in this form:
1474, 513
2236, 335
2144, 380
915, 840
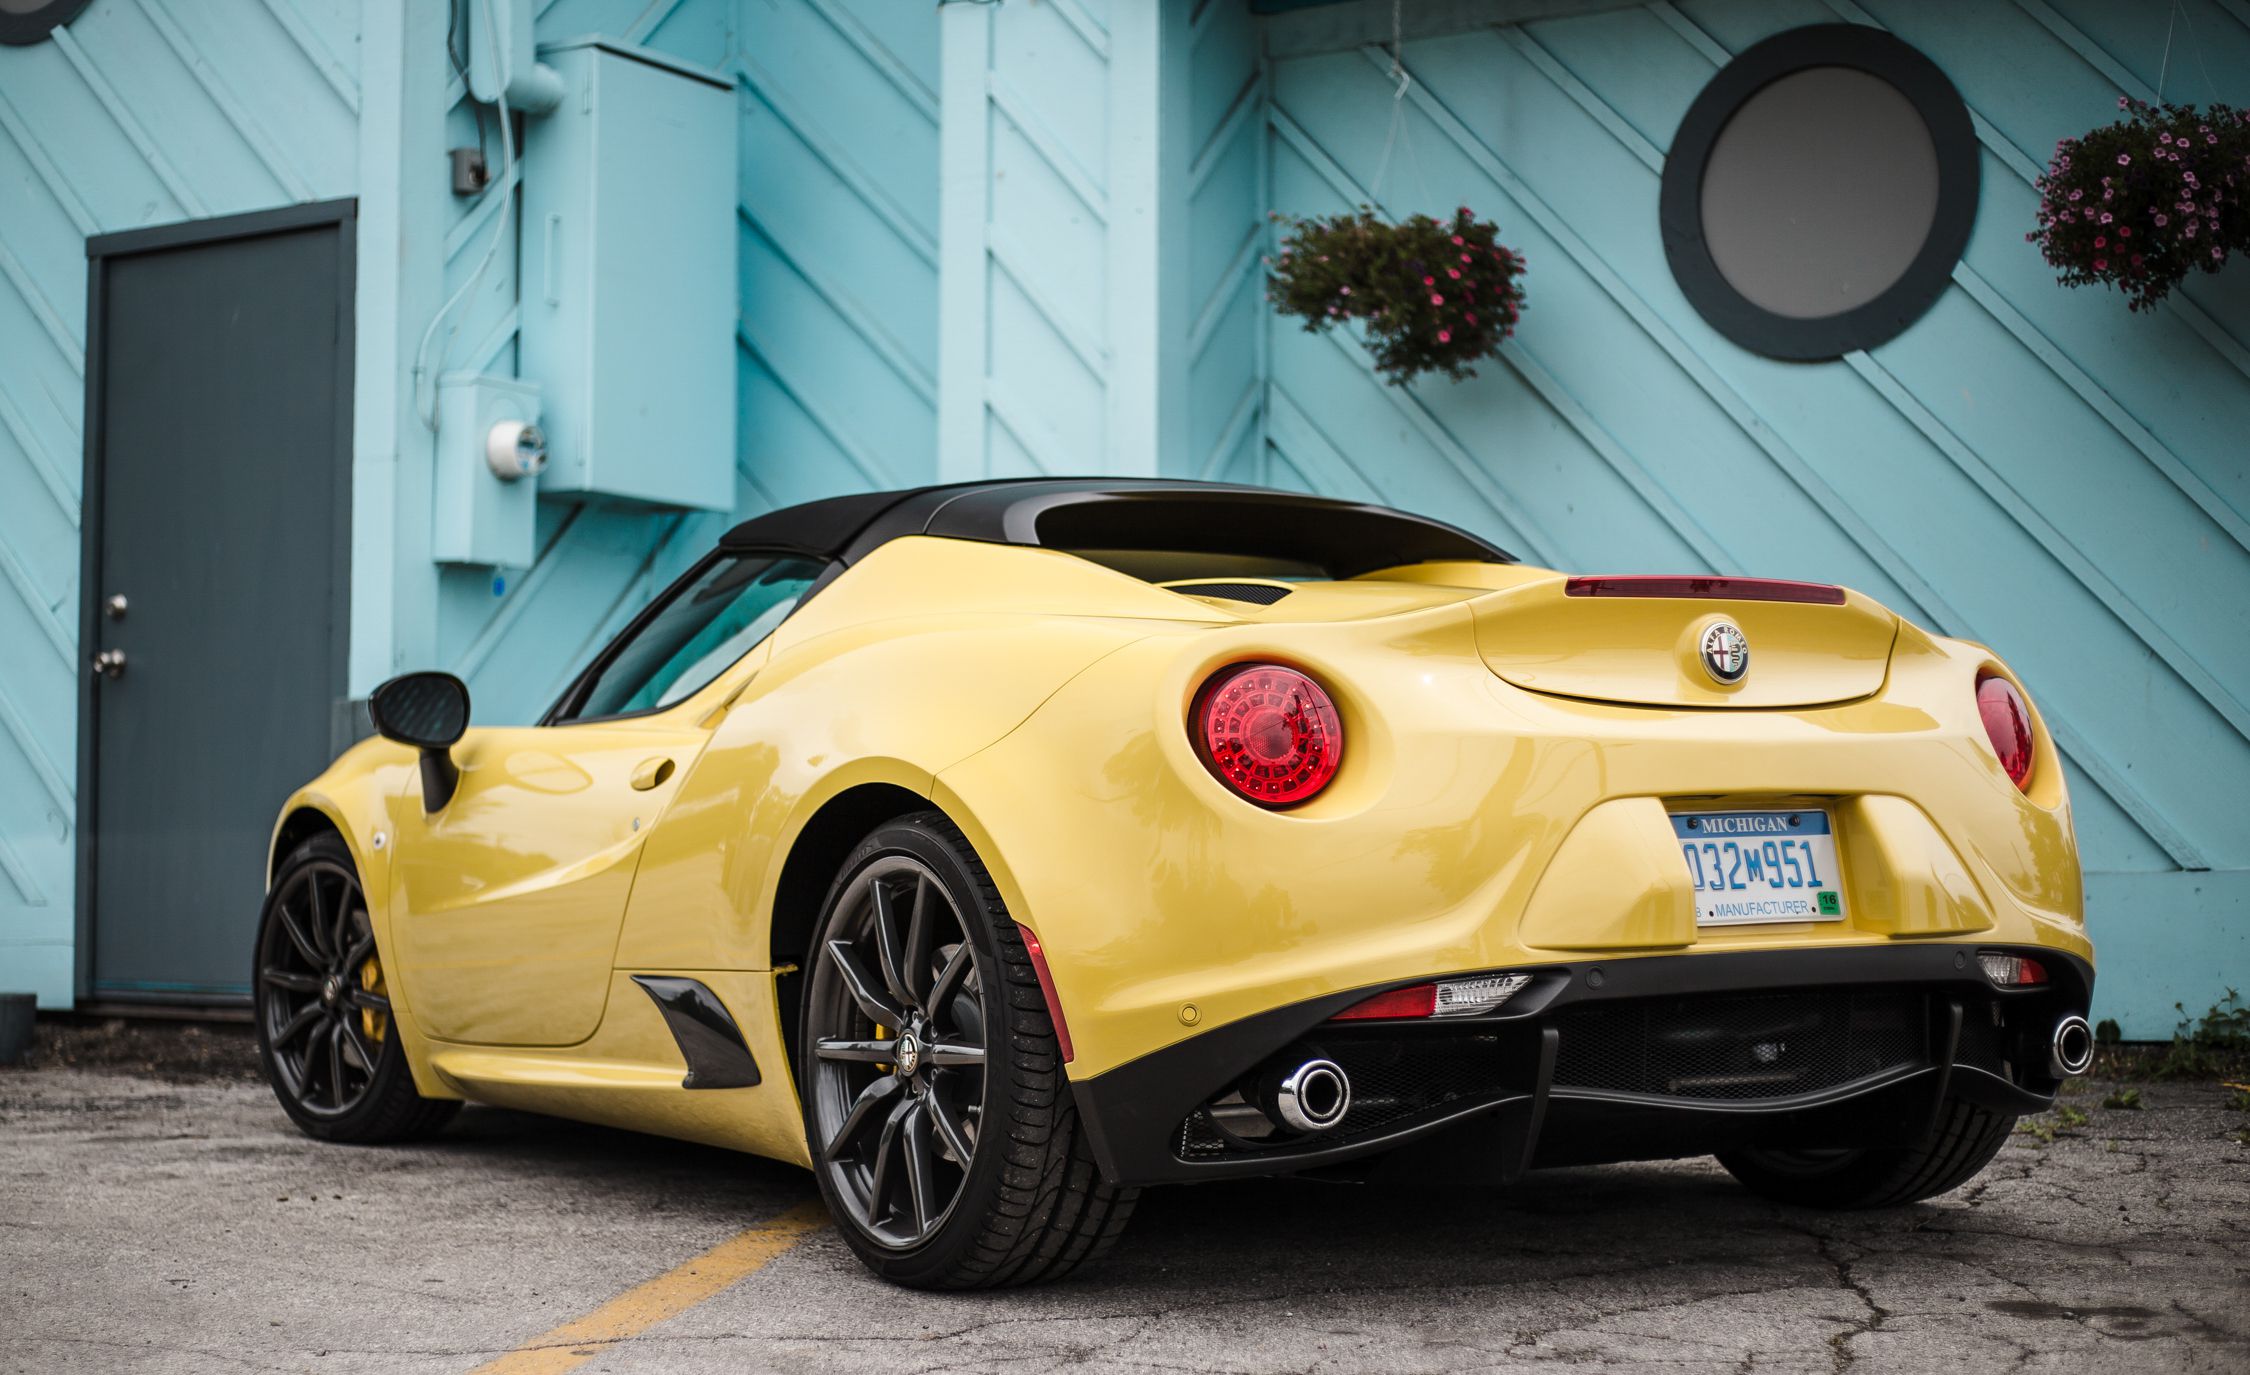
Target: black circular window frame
22, 30
1823, 45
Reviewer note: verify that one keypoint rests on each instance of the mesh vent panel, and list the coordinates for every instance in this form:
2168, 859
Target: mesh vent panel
1741, 1047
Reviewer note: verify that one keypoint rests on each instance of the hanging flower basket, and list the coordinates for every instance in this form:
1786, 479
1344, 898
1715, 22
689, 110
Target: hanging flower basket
2138, 203
1431, 296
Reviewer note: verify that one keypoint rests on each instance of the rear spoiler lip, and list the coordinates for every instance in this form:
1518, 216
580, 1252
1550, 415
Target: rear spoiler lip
1709, 587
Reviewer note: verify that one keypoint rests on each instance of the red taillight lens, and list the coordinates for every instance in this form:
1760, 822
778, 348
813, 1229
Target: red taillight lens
1268, 732
2008, 722
1418, 1001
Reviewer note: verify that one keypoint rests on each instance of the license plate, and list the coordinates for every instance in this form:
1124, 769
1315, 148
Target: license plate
1752, 867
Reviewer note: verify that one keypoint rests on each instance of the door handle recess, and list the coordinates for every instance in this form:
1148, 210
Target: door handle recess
110, 663
651, 773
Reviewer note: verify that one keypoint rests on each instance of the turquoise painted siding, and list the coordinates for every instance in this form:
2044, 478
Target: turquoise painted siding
1225, 227
140, 112
837, 343
2026, 466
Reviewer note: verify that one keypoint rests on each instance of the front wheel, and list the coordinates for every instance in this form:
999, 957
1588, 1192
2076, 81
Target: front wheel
1966, 1139
942, 1129
325, 1034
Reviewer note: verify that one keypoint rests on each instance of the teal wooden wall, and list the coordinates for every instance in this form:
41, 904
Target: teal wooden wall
140, 112
836, 350
2029, 467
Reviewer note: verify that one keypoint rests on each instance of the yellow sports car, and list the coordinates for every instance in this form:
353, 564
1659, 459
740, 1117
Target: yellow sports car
998, 849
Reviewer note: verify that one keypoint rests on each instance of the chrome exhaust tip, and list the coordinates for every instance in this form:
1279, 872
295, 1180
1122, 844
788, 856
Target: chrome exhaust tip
1314, 1096
2073, 1049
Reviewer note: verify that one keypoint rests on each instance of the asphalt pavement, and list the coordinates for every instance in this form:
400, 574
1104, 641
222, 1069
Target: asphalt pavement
153, 1220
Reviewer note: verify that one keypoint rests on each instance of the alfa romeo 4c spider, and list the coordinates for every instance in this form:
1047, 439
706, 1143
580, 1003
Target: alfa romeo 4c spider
998, 850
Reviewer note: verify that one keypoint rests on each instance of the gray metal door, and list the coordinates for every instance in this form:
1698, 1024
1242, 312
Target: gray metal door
218, 409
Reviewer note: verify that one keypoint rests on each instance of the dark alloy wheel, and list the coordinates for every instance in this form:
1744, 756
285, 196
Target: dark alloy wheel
898, 1047
939, 1116
323, 1010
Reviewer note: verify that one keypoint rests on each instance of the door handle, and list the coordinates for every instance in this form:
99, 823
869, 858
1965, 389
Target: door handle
651, 773
110, 663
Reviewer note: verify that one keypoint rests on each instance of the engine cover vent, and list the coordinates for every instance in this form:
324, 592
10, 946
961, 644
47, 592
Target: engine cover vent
1257, 593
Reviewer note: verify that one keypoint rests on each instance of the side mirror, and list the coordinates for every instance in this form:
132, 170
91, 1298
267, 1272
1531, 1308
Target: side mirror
428, 711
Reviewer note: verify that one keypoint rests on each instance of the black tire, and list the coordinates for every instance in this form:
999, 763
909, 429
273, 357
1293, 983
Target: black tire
1030, 1205
1966, 1139
324, 1033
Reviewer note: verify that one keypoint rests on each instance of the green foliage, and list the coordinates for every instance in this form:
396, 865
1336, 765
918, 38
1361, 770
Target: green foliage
1432, 296
2128, 1099
2138, 203
2218, 1043
2067, 1117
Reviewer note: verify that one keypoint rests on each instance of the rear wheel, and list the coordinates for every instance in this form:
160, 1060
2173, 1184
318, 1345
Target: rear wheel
942, 1128
323, 1009
1966, 1139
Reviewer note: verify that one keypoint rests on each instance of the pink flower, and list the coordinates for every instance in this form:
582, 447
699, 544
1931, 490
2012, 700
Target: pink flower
2105, 217
1436, 300
1467, 259
1458, 241
1429, 281
2124, 159
1445, 336
2100, 242
1454, 273
2162, 219
2216, 252
2124, 231
2100, 265
1472, 317
1344, 291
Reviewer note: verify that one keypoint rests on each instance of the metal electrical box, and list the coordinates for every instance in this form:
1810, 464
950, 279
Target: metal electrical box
628, 279
479, 512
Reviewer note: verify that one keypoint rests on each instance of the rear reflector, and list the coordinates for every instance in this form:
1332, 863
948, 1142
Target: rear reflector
2011, 971
1716, 589
1447, 998
1047, 991
1418, 1001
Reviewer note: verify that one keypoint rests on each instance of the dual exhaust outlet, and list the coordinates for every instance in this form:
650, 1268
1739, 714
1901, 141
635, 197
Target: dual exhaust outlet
2071, 1052
1315, 1096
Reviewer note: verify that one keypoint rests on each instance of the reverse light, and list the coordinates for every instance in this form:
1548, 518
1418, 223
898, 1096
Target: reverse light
1268, 732
1445, 998
2007, 723
2011, 971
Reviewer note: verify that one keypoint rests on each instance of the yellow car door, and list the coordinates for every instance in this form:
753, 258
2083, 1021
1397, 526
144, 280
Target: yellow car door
507, 898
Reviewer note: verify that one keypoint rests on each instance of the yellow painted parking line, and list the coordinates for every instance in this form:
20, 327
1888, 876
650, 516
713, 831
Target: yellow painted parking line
674, 1292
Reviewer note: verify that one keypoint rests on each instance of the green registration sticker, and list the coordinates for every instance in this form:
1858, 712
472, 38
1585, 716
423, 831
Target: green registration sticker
1830, 904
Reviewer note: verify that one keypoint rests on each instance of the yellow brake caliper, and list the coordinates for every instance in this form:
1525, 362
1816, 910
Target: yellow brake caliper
373, 1023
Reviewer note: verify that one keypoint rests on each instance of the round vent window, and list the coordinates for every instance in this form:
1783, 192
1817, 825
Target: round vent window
1819, 192
28, 21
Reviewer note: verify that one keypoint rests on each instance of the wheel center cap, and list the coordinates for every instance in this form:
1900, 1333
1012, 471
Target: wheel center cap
331, 990
909, 1054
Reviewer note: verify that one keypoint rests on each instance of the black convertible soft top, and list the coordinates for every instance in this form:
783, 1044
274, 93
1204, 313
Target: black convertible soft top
1343, 538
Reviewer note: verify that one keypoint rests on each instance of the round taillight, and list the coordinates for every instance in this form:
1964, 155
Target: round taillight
1268, 732
2007, 721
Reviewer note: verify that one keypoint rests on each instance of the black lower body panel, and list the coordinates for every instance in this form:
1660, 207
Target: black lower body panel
1644, 1058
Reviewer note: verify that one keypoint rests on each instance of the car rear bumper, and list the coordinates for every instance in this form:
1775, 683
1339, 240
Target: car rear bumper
1644, 1058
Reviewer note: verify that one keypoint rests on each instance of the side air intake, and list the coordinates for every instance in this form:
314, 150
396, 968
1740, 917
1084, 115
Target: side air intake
1257, 593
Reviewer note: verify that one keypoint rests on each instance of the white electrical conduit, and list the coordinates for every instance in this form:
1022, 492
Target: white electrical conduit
491, 250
